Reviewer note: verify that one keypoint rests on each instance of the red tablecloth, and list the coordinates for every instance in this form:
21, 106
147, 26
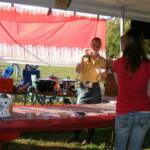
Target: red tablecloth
56, 118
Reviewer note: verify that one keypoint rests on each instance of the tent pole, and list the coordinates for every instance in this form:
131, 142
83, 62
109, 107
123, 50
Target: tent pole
122, 21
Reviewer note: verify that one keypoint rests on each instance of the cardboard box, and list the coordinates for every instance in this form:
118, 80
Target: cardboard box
6, 85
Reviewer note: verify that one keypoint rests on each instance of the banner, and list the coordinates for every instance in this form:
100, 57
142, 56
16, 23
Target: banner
23, 30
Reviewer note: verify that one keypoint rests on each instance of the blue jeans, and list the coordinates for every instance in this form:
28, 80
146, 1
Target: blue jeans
130, 130
89, 95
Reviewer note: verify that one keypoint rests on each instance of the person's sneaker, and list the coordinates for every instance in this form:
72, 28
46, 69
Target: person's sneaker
84, 142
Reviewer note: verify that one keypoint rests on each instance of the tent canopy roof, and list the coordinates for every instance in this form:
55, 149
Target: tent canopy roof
133, 9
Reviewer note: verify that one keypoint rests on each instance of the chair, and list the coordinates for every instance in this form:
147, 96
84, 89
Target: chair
29, 72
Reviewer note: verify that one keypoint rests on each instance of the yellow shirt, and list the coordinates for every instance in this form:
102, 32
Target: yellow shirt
88, 72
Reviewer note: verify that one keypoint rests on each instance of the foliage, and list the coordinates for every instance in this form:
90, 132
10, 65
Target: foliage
113, 37
147, 46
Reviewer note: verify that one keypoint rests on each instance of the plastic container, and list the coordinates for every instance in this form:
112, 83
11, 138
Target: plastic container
6, 105
8, 72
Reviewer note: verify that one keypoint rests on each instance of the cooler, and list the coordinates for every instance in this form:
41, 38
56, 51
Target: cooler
6, 85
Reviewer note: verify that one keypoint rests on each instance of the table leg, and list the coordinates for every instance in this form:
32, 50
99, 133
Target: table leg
1, 145
112, 141
112, 138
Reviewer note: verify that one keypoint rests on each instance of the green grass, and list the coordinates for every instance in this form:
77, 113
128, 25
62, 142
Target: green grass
61, 72
46, 71
60, 141
55, 140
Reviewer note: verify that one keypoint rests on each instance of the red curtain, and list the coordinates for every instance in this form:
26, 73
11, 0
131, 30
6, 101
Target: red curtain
59, 31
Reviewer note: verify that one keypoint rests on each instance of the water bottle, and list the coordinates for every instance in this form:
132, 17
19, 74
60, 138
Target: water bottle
8, 72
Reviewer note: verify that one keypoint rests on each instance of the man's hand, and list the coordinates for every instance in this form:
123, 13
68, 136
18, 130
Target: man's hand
79, 67
103, 75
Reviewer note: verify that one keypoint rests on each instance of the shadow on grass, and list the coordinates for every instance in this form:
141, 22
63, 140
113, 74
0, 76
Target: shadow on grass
60, 141
147, 140
18, 146
102, 135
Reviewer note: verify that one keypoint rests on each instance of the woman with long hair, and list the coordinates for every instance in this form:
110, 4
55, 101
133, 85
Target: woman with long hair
132, 74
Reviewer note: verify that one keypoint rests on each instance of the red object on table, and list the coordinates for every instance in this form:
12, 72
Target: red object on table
6, 85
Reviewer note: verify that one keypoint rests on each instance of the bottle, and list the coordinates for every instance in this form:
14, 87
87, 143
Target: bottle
8, 72
86, 58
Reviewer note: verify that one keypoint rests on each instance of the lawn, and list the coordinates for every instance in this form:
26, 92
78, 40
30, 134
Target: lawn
60, 141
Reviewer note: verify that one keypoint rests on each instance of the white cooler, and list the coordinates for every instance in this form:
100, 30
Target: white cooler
5, 105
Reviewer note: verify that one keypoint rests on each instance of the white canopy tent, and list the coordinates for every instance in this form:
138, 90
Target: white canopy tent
133, 9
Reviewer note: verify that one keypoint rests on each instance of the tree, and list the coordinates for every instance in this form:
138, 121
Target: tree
147, 46
113, 36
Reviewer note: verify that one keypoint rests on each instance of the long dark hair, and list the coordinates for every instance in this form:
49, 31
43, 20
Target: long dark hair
133, 49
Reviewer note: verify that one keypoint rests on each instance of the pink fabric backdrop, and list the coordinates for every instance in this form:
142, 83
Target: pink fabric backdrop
58, 31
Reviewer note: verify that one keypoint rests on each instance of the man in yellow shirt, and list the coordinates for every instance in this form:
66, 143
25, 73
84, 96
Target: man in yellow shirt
90, 70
